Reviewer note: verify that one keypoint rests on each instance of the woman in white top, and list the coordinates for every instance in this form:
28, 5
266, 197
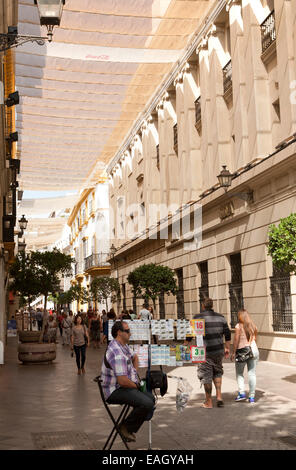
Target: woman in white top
245, 335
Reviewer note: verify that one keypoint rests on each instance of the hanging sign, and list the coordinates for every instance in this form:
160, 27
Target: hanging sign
198, 354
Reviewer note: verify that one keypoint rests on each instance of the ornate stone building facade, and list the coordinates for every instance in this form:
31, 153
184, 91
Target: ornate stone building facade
231, 101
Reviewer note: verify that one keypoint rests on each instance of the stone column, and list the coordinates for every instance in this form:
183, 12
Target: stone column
207, 135
258, 100
192, 169
240, 118
220, 114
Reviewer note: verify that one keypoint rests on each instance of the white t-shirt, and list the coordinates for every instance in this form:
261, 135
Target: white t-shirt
145, 314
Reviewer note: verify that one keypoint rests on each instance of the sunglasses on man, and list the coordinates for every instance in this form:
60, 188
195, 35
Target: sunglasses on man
126, 331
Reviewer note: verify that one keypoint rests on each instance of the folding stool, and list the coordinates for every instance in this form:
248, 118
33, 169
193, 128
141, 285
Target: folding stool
116, 422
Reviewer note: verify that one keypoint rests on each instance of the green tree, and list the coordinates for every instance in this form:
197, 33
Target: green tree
149, 281
282, 244
104, 287
78, 293
25, 283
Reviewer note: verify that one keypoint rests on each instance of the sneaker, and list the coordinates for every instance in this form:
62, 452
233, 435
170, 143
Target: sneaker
252, 400
240, 397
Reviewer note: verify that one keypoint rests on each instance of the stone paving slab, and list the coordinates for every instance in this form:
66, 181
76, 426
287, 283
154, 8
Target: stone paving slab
50, 405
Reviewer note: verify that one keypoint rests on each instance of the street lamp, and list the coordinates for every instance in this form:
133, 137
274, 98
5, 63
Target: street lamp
23, 223
225, 178
50, 13
112, 253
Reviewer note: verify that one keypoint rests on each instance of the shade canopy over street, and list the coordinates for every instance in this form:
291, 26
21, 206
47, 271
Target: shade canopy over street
80, 94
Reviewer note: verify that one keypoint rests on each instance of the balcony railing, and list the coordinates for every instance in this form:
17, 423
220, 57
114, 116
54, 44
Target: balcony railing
268, 33
96, 260
197, 114
227, 77
175, 128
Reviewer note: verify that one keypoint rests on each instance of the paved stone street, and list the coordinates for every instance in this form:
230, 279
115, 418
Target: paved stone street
51, 407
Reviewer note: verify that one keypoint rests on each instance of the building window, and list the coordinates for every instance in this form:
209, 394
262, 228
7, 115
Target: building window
282, 317
161, 306
85, 248
175, 128
123, 297
157, 157
235, 287
180, 294
268, 32
204, 283
135, 304
227, 78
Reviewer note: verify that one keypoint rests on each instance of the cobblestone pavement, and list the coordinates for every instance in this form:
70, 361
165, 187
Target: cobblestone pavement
51, 407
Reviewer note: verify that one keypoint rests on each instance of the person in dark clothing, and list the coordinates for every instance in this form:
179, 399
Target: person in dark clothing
216, 328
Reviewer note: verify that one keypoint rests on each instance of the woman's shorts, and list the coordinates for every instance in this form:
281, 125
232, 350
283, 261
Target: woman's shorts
211, 369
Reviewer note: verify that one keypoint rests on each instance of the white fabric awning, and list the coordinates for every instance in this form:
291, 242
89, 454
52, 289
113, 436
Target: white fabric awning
80, 95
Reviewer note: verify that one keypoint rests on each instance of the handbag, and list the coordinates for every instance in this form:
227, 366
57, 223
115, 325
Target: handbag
243, 354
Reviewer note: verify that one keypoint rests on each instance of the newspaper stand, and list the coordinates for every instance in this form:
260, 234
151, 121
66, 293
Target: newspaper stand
196, 328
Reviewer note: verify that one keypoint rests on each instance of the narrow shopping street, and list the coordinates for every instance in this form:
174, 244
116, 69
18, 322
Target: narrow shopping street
51, 407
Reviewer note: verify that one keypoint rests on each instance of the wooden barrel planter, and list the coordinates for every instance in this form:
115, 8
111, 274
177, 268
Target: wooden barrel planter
29, 336
32, 353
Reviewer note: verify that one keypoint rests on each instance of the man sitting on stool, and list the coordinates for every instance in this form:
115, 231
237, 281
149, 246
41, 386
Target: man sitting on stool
120, 381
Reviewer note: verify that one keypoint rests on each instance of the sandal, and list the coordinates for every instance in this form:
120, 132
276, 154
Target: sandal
220, 404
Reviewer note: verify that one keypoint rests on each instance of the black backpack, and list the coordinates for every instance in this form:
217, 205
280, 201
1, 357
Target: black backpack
157, 379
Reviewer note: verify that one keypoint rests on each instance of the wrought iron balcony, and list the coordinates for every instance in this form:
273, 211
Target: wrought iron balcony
96, 260
175, 128
198, 115
227, 77
268, 33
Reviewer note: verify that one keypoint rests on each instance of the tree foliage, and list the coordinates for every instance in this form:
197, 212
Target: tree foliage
24, 274
37, 273
151, 280
282, 244
104, 287
78, 293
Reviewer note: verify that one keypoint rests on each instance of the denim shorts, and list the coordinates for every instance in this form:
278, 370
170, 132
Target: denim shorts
211, 369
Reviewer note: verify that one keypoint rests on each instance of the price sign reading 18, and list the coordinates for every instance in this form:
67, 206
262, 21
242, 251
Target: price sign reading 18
197, 354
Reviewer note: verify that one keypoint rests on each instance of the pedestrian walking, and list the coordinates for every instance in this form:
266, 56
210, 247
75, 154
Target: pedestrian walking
132, 314
39, 318
95, 330
67, 324
245, 352
144, 313
60, 319
216, 328
79, 341
125, 315
111, 315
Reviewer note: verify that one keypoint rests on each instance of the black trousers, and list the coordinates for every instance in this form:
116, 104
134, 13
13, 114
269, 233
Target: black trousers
142, 403
80, 353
